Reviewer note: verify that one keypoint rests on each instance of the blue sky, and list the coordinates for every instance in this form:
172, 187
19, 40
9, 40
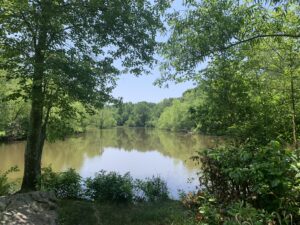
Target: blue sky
136, 89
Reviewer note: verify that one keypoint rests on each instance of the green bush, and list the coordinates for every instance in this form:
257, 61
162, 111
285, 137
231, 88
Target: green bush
66, 184
5, 186
152, 189
209, 211
104, 187
265, 178
243, 213
110, 187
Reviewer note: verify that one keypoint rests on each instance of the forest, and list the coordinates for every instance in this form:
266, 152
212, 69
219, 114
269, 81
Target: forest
58, 69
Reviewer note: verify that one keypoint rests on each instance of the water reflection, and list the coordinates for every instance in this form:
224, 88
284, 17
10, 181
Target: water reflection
142, 152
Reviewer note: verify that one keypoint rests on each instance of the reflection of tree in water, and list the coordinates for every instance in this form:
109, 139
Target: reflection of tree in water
71, 152
176, 145
12, 154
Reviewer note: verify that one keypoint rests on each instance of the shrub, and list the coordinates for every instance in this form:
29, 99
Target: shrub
152, 189
5, 186
190, 200
104, 187
65, 184
111, 187
209, 211
264, 178
244, 213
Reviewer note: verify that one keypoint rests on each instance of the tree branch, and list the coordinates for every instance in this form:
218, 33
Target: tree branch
258, 37
30, 28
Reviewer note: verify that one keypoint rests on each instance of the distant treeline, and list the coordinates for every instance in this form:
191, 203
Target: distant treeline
174, 114
226, 102
170, 114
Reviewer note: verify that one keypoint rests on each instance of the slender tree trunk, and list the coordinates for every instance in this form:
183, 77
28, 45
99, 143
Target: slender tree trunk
295, 141
43, 136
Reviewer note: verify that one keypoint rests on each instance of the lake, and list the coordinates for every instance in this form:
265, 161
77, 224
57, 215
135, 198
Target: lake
142, 152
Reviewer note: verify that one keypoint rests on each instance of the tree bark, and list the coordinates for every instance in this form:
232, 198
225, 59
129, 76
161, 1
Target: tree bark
295, 141
32, 169
35, 142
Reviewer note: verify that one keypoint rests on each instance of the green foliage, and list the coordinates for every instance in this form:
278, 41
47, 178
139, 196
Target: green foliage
260, 175
241, 213
63, 52
7, 187
178, 116
2, 134
265, 179
113, 187
14, 112
141, 114
110, 187
65, 184
73, 71
62, 123
250, 86
235, 214
135, 115
94, 213
152, 189
240, 102
103, 118
174, 117
208, 211
157, 110
104, 187
213, 28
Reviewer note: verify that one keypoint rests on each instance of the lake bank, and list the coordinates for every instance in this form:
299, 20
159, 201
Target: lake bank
45, 208
74, 212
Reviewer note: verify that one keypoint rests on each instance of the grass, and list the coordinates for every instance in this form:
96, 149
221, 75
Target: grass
75, 212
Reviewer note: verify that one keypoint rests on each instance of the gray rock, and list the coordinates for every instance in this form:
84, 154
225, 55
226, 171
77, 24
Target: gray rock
33, 208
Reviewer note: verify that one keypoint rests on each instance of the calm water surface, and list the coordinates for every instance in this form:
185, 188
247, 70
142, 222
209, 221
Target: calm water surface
142, 152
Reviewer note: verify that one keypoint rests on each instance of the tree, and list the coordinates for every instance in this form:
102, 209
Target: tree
64, 51
123, 112
104, 118
253, 93
282, 66
207, 29
140, 115
178, 116
228, 35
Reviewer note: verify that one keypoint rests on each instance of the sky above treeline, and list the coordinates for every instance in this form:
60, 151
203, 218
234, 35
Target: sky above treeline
137, 89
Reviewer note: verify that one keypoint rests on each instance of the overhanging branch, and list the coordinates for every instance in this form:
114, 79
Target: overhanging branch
258, 37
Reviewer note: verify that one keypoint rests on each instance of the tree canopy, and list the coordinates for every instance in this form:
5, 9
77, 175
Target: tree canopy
207, 29
65, 51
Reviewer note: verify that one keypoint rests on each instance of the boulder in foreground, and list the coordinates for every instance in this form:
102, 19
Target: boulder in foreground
33, 208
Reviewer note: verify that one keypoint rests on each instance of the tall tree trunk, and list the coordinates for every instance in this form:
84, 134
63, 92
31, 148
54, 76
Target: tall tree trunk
33, 151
